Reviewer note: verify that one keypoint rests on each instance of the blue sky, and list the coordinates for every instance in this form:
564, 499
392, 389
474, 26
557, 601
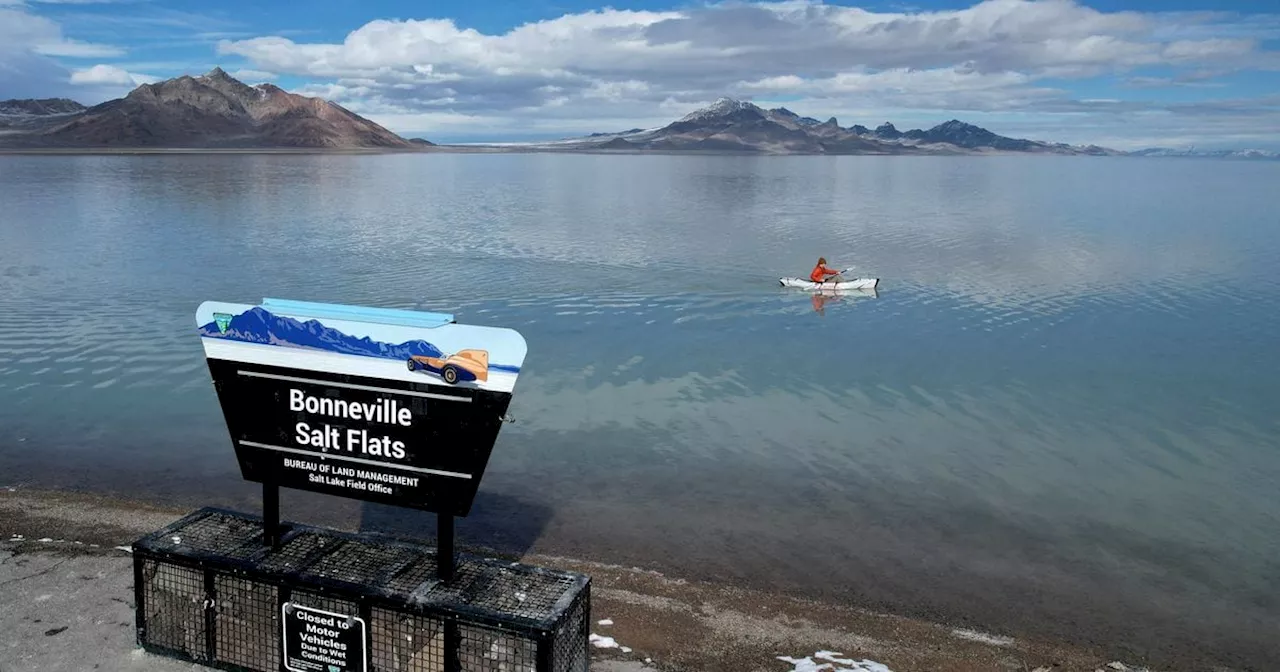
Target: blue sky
1123, 74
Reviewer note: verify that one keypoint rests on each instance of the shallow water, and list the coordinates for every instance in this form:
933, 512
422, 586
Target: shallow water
1056, 415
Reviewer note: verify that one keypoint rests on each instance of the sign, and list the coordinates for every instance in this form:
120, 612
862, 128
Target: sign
391, 406
322, 641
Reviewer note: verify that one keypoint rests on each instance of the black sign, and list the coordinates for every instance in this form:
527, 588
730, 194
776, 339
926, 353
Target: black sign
390, 406
414, 445
322, 641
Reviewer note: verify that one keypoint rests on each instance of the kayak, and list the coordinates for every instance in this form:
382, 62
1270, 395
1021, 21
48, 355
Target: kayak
855, 283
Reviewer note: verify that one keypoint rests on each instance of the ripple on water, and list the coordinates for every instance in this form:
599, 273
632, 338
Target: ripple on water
1048, 354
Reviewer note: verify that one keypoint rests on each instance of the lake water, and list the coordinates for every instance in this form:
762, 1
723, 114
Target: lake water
1057, 416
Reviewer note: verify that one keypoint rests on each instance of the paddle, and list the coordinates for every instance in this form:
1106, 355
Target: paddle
837, 277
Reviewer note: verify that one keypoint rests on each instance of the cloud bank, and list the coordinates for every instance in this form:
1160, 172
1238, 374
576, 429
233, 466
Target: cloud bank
608, 69
1046, 69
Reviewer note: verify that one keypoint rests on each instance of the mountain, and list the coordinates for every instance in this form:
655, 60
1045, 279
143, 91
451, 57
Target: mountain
39, 108
1209, 154
211, 111
730, 125
23, 116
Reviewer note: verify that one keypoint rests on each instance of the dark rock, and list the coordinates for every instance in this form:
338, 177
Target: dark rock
616, 143
887, 130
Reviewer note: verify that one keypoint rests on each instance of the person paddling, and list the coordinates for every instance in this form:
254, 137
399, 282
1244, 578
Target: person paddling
821, 272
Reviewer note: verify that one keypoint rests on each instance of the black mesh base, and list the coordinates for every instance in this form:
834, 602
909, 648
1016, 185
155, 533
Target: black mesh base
208, 591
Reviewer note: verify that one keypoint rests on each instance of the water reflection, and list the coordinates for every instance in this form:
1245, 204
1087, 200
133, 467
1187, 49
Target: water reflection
821, 298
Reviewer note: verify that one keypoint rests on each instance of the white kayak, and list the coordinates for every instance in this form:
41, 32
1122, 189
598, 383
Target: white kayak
855, 283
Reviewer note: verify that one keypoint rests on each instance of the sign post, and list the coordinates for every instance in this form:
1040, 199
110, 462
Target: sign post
390, 406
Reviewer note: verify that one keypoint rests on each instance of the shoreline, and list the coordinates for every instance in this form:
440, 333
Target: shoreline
482, 149
664, 622
545, 149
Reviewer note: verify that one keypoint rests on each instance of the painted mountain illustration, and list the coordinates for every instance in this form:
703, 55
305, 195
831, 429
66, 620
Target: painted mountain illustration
260, 326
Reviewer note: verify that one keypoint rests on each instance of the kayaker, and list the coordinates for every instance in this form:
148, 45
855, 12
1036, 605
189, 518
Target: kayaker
821, 272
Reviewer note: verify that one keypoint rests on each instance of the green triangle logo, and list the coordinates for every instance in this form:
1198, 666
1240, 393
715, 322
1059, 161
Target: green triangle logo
222, 320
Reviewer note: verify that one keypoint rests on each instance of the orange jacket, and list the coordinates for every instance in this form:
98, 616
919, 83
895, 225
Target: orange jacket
821, 272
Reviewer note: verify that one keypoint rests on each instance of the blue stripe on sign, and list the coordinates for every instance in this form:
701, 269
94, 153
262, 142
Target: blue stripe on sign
404, 318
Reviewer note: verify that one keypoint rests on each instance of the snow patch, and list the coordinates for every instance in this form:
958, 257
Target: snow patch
126, 549
606, 621
625, 649
720, 108
835, 663
603, 642
975, 636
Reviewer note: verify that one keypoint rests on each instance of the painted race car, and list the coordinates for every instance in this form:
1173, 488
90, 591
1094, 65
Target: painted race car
462, 365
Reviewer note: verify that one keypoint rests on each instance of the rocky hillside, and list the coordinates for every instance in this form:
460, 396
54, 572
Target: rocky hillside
738, 126
211, 111
39, 108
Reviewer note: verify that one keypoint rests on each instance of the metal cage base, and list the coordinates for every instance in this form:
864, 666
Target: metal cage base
209, 591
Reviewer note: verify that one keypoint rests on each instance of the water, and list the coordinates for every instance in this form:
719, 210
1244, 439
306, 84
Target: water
1056, 417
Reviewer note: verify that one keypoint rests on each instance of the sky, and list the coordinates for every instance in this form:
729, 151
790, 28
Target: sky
1122, 74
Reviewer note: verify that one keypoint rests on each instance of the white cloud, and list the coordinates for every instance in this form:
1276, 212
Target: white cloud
601, 69
21, 31
253, 76
29, 45
110, 75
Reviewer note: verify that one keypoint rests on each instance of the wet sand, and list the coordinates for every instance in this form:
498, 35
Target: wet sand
54, 543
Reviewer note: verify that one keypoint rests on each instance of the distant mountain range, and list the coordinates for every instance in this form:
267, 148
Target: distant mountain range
731, 125
1210, 153
217, 111
211, 111
38, 108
